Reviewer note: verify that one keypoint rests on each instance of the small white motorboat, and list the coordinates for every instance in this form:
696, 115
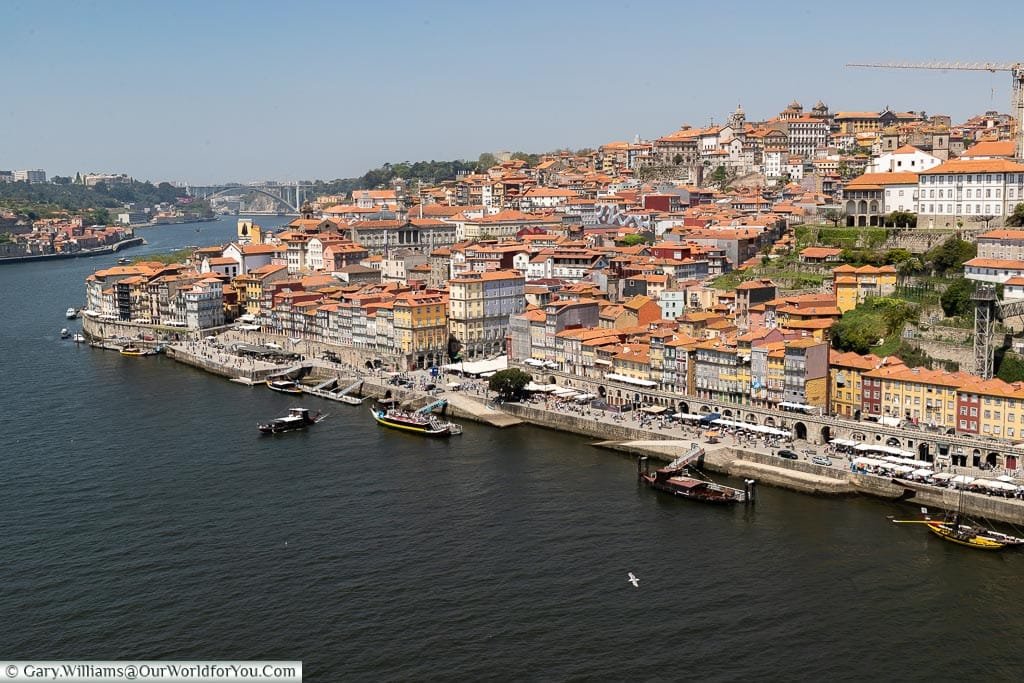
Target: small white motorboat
64, 334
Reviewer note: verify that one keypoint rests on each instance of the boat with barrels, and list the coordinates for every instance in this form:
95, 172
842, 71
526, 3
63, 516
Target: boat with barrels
677, 480
421, 421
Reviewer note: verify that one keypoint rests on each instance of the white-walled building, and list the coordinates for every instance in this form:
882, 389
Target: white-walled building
966, 190
904, 159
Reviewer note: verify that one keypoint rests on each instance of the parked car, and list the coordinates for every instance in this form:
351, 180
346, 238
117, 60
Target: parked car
821, 460
788, 454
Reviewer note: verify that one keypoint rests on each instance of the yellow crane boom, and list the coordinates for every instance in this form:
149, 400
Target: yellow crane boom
1016, 70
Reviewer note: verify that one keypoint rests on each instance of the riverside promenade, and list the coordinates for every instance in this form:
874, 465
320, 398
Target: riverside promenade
637, 434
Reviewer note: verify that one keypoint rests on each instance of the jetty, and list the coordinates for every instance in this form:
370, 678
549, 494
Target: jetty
330, 390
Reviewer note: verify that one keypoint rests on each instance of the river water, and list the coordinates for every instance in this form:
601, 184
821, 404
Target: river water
143, 517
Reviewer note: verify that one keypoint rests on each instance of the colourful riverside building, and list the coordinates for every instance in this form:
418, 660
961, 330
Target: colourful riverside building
421, 328
480, 304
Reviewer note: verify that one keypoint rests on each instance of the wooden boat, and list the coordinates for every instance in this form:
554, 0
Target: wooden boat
132, 350
297, 418
284, 386
418, 423
954, 530
962, 535
675, 479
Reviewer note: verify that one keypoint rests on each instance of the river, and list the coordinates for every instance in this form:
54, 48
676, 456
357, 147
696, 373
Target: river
143, 517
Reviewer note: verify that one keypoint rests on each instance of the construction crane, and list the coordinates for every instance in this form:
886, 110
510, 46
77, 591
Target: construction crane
1016, 75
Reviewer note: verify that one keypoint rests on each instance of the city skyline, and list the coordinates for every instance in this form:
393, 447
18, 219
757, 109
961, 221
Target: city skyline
245, 92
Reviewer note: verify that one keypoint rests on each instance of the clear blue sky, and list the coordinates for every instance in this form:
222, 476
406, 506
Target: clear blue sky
214, 91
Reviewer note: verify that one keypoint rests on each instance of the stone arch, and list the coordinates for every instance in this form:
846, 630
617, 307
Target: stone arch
874, 206
751, 418
976, 457
862, 206
923, 453
851, 207
800, 431
826, 434
705, 409
683, 407
893, 441
769, 421
602, 392
951, 431
551, 380
726, 413
992, 459
859, 436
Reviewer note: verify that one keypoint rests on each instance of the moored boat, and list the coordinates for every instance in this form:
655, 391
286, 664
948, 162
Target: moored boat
964, 535
132, 350
71, 313
284, 386
64, 334
675, 479
955, 530
419, 423
79, 338
297, 418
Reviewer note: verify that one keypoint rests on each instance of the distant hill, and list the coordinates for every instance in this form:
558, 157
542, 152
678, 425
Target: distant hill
50, 198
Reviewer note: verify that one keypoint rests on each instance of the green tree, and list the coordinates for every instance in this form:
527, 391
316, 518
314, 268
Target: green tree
677, 159
956, 300
98, 217
530, 159
897, 256
61, 180
719, 178
633, 240
834, 216
911, 266
509, 383
950, 255
1016, 219
485, 161
901, 219
1011, 368
858, 330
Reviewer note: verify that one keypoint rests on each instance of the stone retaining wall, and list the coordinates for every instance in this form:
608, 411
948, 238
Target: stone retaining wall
581, 425
975, 504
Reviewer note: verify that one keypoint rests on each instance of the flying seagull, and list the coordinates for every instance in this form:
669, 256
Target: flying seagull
633, 580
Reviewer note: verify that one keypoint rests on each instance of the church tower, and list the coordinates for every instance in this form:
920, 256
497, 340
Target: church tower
248, 232
738, 119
